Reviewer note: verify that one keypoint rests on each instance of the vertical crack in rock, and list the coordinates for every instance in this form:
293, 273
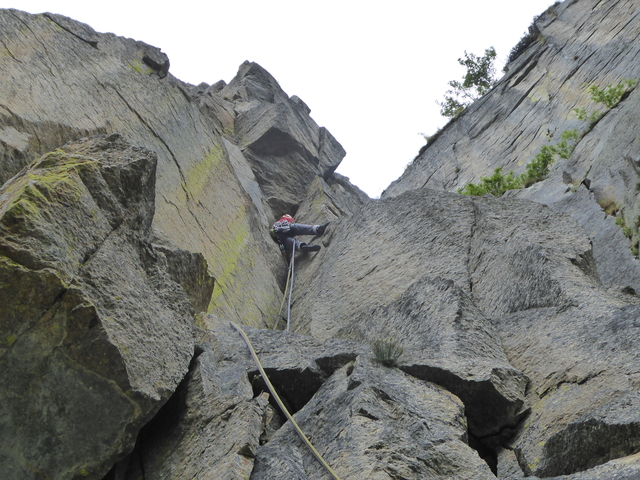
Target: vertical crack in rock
156, 135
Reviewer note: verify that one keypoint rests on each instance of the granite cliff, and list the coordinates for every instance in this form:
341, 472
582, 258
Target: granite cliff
133, 215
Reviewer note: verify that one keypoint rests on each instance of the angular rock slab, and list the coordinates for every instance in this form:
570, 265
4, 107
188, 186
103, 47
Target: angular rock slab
297, 365
210, 428
368, 421
447, 340
626, 468
326, 201
95, 333
213, 425
482, 244
285, 146
585, 383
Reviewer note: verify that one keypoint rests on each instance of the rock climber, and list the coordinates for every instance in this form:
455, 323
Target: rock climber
284, 232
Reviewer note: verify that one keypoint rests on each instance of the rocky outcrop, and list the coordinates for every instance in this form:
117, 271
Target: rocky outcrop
580, 44
230, 157
382, 423
286, 148
220, 415
96, 333
585, 396
530, 274
510, 327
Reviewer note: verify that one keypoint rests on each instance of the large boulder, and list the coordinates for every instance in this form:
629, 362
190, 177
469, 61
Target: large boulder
95, 333
368, 421
585, 389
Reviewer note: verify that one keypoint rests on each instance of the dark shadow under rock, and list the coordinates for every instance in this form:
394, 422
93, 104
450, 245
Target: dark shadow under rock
447, 340
369, 421
297, 365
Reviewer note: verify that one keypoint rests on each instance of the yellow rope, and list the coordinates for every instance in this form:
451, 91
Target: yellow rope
281, 405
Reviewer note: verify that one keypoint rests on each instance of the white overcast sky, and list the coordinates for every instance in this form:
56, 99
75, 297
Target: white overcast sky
370, 71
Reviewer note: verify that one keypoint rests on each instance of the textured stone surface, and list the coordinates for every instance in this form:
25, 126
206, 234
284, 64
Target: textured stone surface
516, 261
585, 397
219, 169
210, 428
379, 253
326, 201
213, 425
626, 468
286, 148
95, 333
582, 43
368, 421
297, 365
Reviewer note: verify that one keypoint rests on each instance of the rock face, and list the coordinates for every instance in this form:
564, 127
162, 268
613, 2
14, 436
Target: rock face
388, 424
230, 157
96, 334
434, 335
581, 44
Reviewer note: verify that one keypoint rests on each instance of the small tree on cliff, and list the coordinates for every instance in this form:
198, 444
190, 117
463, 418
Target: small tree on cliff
478, 80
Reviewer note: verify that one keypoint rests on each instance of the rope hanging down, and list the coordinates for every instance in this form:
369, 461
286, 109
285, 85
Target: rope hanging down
284, 297
281, 405
287, 289
293, 271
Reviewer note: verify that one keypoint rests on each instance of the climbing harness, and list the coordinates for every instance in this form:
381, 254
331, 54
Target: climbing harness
281, 405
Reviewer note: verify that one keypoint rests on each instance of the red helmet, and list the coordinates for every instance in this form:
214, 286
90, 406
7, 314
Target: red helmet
287, 218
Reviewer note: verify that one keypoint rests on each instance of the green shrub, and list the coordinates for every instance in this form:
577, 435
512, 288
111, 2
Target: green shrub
608, 96
530, 36
537, 169
496, 184
567, 144
386, 352
611, 95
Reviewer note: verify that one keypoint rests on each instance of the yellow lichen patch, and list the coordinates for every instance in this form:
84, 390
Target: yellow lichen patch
215, 217
231, 249
200, 175
52, 179
140, 67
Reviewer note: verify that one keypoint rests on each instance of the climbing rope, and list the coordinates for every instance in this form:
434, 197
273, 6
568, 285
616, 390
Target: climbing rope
293, 263
284, 297
287, 289
281, 405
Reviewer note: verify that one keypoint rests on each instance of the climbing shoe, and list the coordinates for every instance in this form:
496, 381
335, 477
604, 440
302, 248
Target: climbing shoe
321, 228
309, 248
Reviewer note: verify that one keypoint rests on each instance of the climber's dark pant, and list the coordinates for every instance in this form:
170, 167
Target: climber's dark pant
290, 242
